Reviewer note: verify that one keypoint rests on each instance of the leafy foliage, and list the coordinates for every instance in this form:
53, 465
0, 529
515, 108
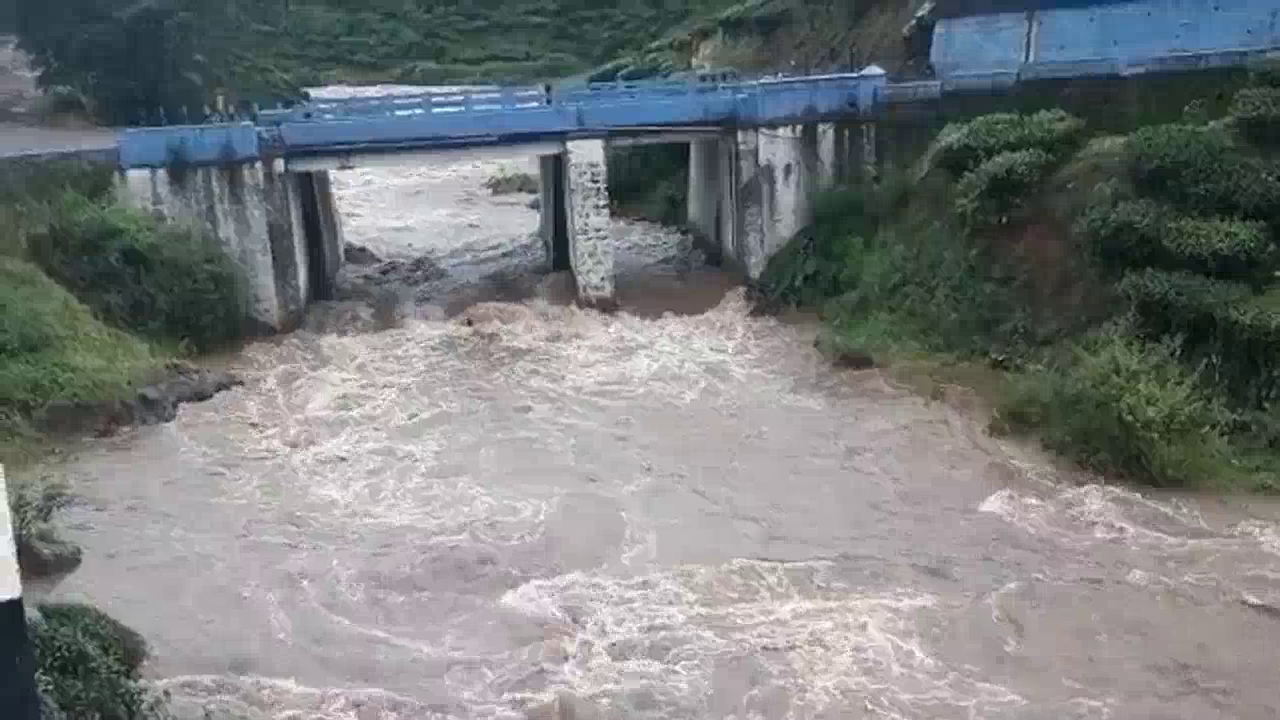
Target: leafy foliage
1233, 332
87, 663
1255, 111
650, 182
823, 260
1124, 234
964, 146
1143, 233
52, 348
988, 194
163, 281
1202, 170
1123, 406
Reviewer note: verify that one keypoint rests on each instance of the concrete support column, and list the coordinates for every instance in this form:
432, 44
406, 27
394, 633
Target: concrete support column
829, 161
590, 244
777, 179
705, 189
18, 694
282, 229
553, 218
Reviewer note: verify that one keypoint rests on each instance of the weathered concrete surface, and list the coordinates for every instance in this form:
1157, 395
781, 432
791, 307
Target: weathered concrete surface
778, 175
706, 193
590, 246
282, 228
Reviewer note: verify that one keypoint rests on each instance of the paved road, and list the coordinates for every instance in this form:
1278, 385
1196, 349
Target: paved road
21, 140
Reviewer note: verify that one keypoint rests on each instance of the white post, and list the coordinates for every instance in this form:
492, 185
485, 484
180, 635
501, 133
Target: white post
17, 666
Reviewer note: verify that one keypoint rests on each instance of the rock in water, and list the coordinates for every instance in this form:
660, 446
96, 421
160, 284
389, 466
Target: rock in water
359, 255
41, 556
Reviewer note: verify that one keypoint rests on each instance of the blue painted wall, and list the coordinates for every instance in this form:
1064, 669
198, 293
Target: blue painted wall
993, 51
188, 145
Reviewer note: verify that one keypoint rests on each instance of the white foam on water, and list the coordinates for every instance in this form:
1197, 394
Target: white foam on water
196, 697
830, 648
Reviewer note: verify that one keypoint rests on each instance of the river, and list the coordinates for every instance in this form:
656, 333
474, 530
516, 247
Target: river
680, 514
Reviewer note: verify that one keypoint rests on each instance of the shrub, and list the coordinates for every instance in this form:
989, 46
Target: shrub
1125, 234
1223, 325
823, 260
963, 147
1142, 233
988, 194
1223, 247
87, 663
1255, 112
1202, 170
163, 281
1124, 406
52, 348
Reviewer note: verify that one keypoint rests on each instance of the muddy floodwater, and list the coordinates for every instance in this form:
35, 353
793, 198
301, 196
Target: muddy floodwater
557, 513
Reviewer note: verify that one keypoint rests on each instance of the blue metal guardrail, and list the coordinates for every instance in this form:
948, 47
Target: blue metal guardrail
487, 116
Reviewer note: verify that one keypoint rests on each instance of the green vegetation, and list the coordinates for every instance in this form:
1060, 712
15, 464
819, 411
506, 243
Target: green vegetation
97, 296
87, 664
650, 182
1121, 291
95, 299
124, 58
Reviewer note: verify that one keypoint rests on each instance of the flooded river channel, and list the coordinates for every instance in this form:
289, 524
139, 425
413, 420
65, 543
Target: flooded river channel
643, 515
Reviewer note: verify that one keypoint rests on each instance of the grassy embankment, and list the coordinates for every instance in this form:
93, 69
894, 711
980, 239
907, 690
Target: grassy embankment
95, 299
1119, 291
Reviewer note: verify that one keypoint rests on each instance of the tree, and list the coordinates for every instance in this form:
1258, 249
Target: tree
128, 61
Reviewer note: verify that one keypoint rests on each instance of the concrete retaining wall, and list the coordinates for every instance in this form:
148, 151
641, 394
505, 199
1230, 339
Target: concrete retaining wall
282, 228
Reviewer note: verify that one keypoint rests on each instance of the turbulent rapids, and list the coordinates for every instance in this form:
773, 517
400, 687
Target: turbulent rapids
675, 511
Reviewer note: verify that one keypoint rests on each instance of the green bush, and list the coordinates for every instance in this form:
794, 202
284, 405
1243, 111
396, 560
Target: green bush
1001, 185
1255, 112
1122, 406
53, 349
87, 663
650, 182
824, 259
1201, 169
1222, 247
160, 280
1141, 233
963, 147
1234, 333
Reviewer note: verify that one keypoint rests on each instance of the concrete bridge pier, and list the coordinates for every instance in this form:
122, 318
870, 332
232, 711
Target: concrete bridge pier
751, 191
283, 228
575, 218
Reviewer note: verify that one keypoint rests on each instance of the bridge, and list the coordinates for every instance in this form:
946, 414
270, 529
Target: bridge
760, 149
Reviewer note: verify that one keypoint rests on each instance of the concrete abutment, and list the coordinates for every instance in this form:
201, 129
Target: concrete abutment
282, 228
752, 190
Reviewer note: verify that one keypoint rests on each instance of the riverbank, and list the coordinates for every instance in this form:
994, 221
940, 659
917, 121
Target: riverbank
99, 307
1117, 288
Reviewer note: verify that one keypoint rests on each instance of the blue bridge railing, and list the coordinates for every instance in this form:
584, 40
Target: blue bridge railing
492, 116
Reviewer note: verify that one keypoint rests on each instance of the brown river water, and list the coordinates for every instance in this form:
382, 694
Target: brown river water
640, 515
